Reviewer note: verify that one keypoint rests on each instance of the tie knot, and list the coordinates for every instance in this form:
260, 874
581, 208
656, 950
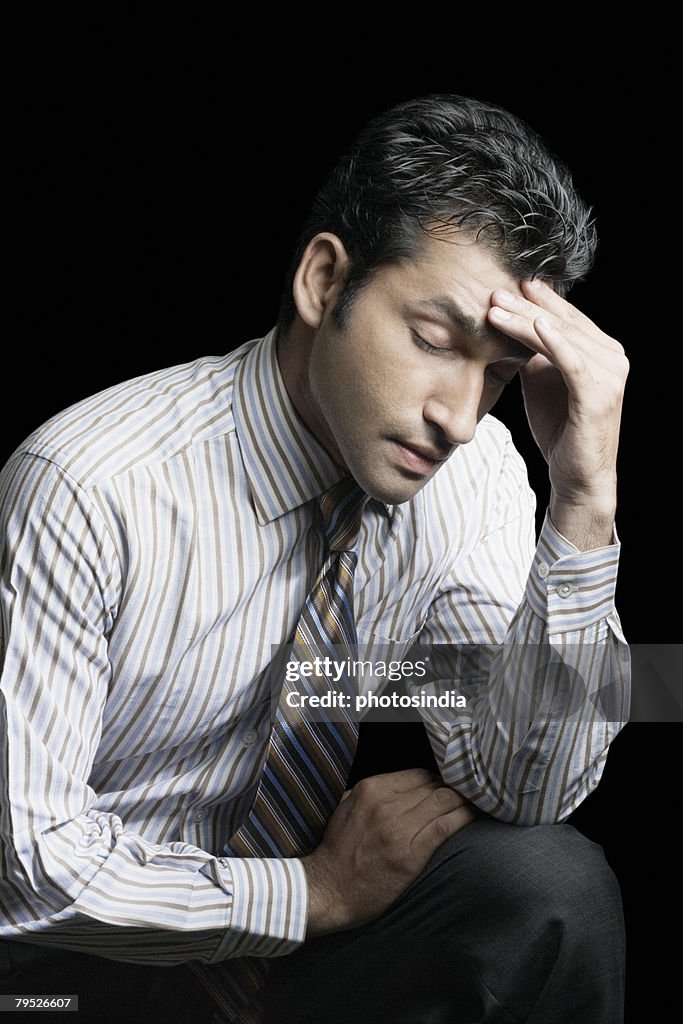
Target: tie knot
342, 509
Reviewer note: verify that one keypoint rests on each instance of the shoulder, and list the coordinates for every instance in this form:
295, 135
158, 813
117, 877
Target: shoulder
139, 422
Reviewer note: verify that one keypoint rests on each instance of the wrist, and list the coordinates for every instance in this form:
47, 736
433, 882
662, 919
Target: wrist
588, 524
325, 908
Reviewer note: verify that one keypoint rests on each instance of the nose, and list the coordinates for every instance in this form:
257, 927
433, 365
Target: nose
454, 407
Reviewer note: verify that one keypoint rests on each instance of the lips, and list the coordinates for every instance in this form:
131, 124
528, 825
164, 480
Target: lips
419, 459
435, 455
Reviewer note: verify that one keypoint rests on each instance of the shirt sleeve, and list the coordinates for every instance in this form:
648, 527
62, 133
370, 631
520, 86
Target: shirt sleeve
73, 874
530, 637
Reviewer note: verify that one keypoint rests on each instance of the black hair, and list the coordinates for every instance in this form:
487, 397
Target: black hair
440, 162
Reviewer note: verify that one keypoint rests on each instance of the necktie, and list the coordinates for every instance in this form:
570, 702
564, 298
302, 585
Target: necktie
307, 762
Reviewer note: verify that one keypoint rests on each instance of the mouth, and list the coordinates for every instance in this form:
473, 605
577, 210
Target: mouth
419, 458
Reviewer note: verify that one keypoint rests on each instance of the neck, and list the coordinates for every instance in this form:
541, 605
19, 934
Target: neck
293, 348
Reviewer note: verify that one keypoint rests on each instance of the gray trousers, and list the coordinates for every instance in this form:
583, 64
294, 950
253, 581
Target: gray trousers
504, 925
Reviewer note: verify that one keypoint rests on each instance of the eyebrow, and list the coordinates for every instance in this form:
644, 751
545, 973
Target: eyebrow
446, 308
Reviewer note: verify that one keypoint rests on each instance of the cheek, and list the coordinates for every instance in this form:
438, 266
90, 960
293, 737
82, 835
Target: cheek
359, 371
337, 389
367, 371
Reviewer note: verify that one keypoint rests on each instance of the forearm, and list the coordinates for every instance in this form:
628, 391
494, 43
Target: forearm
114, 894
548, 701
532, 761
91, 885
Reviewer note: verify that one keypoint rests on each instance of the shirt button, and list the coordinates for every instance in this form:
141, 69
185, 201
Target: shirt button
199, 816
249, 737
565, 589
543, 570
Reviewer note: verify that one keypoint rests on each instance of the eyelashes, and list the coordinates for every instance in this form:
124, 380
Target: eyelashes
425, 346
496, 378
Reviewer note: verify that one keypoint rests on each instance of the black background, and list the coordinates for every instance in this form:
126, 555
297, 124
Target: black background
159, 191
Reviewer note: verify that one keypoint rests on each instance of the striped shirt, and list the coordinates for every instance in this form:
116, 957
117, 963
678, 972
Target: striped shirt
157, 540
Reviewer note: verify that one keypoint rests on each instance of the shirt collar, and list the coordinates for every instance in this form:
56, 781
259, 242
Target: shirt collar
285, 465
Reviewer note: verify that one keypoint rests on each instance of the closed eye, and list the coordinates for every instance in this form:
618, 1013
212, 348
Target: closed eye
425, 346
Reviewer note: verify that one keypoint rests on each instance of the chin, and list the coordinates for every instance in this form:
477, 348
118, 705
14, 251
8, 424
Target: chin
374, 472
391, 492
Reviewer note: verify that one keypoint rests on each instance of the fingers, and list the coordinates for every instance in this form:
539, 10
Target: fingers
404, 795
516, 326
408, 787
436, 803
416, 798
520, 316
540, 377
423, 809
400, 782
568, 357
411, 778
543, 338
430, 838
571, 342
542, 295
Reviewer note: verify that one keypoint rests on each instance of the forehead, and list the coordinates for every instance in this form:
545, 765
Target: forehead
451, 281
457, 265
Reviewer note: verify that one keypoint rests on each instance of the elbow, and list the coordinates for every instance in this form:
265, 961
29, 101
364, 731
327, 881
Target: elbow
544, 805
527, 805
523, 809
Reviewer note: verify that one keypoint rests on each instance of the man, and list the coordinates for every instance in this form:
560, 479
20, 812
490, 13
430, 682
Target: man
336, 483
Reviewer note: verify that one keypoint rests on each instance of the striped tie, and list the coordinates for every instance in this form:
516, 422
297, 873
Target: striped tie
308, 762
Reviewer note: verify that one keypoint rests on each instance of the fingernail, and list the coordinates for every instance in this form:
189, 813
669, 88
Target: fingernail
506, 296
533, 282
500, 314
543, 324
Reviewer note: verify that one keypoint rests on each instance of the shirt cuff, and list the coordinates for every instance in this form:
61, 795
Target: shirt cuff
269, 907
571, 589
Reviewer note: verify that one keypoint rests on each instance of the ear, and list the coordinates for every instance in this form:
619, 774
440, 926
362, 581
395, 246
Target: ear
320, 277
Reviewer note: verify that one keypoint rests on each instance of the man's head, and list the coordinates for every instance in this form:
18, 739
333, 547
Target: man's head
433, 164
438, 202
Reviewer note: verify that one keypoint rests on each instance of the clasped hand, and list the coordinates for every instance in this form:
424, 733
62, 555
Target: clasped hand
378, 840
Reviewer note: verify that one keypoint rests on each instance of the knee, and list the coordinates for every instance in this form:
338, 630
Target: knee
542, 875
564, 878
